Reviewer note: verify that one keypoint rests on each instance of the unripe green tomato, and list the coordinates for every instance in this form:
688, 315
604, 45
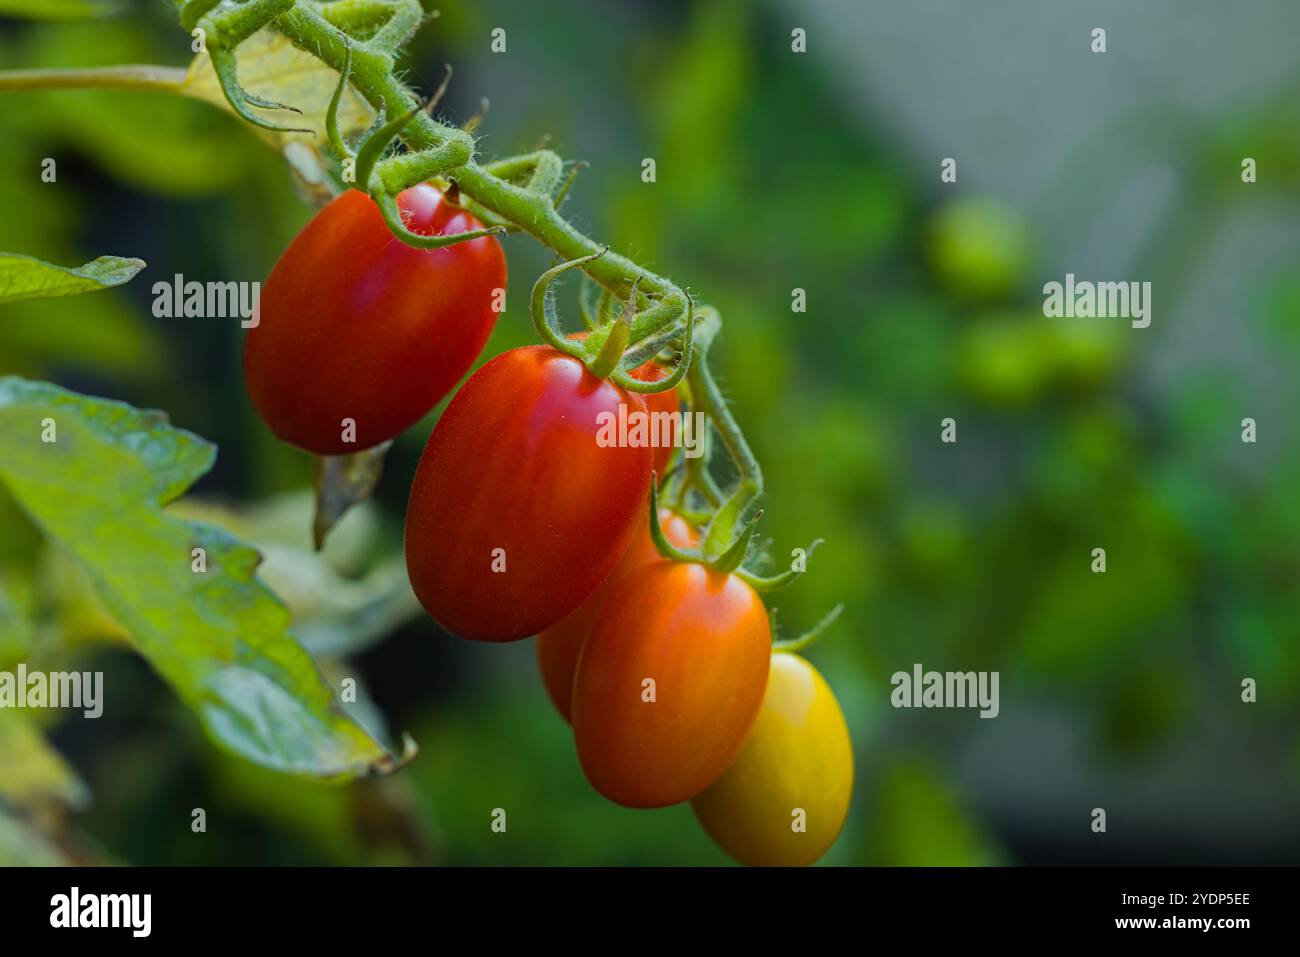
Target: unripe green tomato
1086, 356
797, 758
1006, 359
979, 248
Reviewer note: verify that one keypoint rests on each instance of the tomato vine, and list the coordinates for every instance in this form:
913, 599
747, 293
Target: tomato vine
361, 40
522, 192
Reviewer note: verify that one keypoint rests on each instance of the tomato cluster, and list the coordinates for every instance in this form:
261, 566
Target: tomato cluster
520, 523
668, 675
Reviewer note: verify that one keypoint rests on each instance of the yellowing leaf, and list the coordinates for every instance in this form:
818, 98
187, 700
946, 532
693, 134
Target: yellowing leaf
273, 68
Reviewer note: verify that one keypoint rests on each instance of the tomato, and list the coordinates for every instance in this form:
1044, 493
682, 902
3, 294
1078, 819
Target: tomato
354, 324
655, 402
798, 757
559, 645
658, 403
516, 513
669, 682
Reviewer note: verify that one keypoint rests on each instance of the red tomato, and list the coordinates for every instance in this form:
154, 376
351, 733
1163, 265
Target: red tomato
355, 325
655, 402
559, 645
516, 513
669, 683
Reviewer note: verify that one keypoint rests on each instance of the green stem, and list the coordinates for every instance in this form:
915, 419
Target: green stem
372, 77
135, 76
707, 398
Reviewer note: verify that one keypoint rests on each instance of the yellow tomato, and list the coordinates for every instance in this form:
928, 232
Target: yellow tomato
784, 800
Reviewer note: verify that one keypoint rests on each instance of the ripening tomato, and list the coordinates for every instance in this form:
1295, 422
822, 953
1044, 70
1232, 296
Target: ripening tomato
517, 513
784, 800
669, 682
655, 402
559, 645
359, 335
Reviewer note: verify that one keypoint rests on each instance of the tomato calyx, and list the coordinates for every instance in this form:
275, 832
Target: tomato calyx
728, 562
808, 638
617, 334
610, 353
605, 350
666, 548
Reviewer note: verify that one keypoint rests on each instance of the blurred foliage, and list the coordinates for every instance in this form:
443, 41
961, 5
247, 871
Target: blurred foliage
57, 9
924, 301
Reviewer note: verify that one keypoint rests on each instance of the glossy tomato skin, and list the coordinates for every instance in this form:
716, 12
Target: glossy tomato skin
513, 474
799, 756
559, 645
704, 639
655, 402
354, 324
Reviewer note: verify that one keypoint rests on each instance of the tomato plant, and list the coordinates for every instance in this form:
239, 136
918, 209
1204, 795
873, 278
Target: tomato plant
527, 512
784, 800
516, 514
558, 646
356, 327
669, 682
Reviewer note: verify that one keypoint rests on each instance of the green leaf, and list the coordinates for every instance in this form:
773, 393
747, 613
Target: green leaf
344, 597
219, 637
22, 277
16, 630
56, 9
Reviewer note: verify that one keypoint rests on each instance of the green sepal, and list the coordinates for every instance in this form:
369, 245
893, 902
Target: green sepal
794, 645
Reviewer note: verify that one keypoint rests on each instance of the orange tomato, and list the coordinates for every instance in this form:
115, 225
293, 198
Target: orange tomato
559, 645
669, 683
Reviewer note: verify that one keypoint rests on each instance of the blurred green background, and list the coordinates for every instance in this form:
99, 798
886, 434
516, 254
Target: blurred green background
775, 171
